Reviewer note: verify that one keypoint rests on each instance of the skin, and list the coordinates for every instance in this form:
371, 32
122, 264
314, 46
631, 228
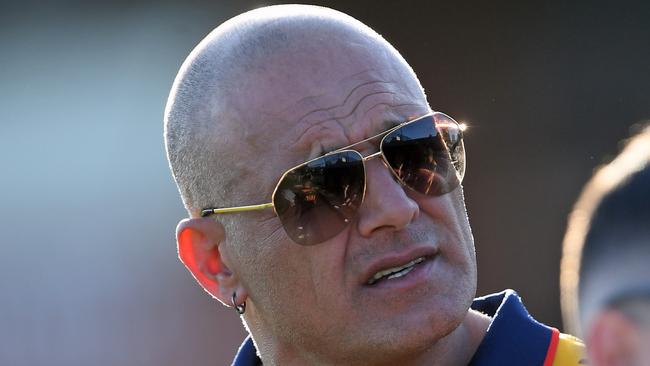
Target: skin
310, 304
617, 334
615, 340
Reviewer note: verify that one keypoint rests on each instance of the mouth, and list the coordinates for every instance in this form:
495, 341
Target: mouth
399, 269
395, 272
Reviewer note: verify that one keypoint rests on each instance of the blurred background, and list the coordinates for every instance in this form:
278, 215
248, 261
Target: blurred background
88, 270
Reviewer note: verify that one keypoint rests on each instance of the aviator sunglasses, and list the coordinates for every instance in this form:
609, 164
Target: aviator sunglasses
317, 199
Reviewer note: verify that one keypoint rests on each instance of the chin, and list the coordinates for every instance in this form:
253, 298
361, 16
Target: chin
439, 317
420, 328
408, 340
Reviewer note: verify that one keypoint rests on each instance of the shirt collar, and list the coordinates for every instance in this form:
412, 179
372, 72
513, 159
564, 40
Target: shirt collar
247, 354
513, 337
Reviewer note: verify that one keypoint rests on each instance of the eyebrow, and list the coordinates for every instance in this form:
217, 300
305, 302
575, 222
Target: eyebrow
386, 126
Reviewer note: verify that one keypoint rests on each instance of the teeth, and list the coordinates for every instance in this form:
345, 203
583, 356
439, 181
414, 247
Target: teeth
395, 272
400, 273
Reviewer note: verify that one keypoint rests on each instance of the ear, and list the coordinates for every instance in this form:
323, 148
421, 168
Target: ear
613, 339
199, 249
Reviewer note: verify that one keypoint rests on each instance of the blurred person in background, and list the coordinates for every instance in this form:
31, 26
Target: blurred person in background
606, 261
325, 202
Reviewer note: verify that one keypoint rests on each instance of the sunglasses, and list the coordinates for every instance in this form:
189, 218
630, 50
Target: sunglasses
317, 199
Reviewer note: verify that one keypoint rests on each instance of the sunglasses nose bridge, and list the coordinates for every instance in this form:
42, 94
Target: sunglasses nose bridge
371, 156
380, 154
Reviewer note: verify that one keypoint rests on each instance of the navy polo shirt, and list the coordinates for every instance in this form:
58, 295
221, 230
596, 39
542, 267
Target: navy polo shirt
513, 337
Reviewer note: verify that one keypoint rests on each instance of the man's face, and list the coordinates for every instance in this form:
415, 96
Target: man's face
318, 297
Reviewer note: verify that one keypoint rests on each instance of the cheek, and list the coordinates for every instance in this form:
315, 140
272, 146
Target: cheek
449, 211
274, 268
328, 272
273, 265
457, 250
278, 276
293, 288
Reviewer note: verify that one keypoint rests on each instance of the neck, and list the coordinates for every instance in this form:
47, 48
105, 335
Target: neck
457, 348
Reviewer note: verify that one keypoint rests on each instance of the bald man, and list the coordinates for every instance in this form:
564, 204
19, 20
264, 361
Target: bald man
325, 201
606, 261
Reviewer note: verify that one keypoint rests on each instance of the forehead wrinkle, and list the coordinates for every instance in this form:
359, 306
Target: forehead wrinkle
342, 103
341, 117
392, 119
356, 106
317, 130
337, 119
368, 77
313, 98
388, 123
383, 125
401, 118
311, 134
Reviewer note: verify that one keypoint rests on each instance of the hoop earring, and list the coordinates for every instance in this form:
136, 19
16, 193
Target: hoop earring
241, 308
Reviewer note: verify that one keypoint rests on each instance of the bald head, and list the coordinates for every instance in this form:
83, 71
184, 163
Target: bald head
228, 86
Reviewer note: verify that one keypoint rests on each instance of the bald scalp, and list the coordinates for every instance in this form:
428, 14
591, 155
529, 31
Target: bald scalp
206, 110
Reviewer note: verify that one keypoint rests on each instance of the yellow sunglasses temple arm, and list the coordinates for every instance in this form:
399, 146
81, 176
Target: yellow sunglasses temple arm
225, 210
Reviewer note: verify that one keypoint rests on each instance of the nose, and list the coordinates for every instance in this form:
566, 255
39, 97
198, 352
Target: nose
385, 205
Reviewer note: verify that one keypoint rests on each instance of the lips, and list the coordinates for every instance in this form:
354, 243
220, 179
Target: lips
396, 265
395, 272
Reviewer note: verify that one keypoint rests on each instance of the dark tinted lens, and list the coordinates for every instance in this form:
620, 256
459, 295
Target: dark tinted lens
427, 155
317, 200
452, 135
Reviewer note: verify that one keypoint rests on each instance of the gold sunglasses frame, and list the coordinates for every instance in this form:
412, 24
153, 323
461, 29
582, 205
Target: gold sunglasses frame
262, 206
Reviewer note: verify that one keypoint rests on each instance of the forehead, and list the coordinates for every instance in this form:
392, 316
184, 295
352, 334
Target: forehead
360, 106
297, 105
330, 95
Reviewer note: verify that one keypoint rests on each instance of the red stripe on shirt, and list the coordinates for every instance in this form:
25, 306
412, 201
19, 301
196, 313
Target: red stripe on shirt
552, 347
